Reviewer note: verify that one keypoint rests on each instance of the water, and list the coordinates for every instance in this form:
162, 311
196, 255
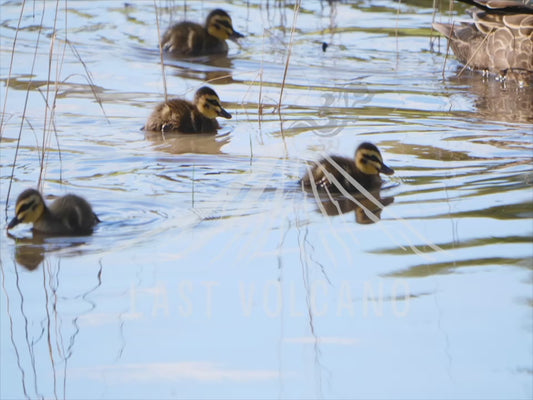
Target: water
212, 274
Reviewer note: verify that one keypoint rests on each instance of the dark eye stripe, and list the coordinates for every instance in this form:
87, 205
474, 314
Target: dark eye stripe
373, 158
26, 206
224, 23
213, 102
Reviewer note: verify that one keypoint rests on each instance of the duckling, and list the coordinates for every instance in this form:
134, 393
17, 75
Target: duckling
498, 41
191, 39
364, 170
183, 116
69, 215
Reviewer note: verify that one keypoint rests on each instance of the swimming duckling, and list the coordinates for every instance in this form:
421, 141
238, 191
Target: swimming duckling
69, 215
364, 170
183, 116
499, 40
191, 39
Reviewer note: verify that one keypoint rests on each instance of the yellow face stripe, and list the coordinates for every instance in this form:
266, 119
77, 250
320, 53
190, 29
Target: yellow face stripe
25, 204
209, 105
29, 209
368, 161
220, 27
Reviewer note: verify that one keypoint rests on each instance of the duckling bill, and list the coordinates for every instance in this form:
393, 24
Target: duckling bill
69, 215
334, 171
191, 39
177, 115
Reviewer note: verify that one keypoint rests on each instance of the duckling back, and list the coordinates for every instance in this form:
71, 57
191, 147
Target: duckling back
190, 39
330, 173
180, 116
67, 215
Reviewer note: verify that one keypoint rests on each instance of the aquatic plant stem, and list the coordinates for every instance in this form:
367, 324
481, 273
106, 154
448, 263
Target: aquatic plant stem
287, 61
89, 78
48, 119
5, 103
11, 69
396, 35
450, 9
161, 52
23, 117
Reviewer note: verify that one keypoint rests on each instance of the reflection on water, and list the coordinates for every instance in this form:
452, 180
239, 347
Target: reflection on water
215, 69
44, 325
366, 210
30, 252
29, 255
212, 273
182, 143
498, 101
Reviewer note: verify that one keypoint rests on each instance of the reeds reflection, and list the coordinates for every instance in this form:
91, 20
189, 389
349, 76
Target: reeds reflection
44, 324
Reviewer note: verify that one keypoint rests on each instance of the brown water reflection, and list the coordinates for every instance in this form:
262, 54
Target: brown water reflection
182, 143
430, 269
366, 211
498, 101
29, 253
216, 69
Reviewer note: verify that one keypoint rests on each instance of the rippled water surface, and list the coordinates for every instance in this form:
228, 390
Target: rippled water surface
212, 275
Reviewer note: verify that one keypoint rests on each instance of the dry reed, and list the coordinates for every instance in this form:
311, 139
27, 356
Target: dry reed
54, 81
296, 11
162, 61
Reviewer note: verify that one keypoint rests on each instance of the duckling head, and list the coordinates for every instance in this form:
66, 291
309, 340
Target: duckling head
29, 208
218, 24
368, 160
208, 103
